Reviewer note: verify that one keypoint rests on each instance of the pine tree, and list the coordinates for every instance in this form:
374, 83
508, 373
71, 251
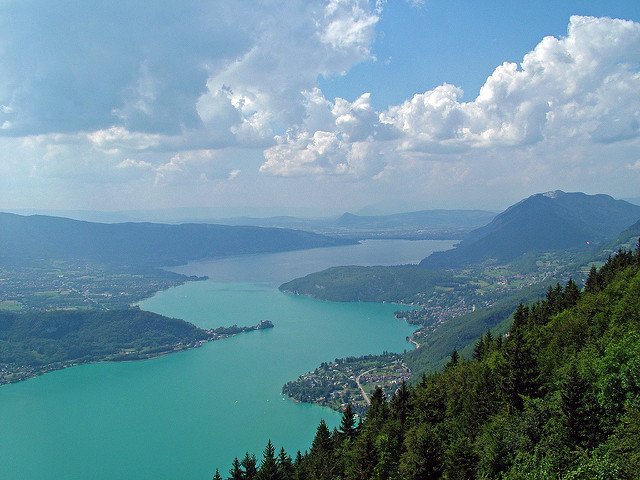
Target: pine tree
348, 423
423, 456
488, 341
455, 358
521, 374
285, 465
459, 459
268, 467
321, 463
216, 476
236, 472
364, 460
322, 441
377, 412
571, 294
580, 409
299, 465
592, 283
249, 465
400, 403
520, 317
479, 348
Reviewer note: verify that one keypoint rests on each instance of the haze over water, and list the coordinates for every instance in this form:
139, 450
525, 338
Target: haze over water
186, 414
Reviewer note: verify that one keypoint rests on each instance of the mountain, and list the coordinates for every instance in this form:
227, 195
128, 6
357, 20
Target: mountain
423, 219
143, 244
442, 224
545, 221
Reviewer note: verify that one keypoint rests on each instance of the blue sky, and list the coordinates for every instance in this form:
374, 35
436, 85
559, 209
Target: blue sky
458, 42
319, 106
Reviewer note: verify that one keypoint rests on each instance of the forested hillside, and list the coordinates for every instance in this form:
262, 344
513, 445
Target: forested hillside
36, 237
556, 397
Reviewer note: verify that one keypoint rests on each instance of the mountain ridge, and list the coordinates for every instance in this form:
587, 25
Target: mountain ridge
144, 243
544, 221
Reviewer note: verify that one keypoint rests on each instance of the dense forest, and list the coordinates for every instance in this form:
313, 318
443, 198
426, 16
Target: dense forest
558, 396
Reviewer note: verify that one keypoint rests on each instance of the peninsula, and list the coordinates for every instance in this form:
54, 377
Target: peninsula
33, 343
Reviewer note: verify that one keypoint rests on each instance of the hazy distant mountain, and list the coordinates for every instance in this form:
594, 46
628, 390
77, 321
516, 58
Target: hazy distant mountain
542, 222
422, 224
424, 219
446, 223
151, 244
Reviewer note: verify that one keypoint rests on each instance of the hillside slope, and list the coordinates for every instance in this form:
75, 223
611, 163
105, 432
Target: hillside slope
143, 244
542, 222
558, 397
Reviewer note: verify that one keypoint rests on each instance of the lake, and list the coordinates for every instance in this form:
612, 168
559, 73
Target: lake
186, 414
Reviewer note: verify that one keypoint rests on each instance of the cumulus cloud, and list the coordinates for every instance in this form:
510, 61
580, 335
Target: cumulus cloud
93, 92
116, 139
262, 92
208, 71
130, 163
335, 138
579, 88
197, 166
116, 82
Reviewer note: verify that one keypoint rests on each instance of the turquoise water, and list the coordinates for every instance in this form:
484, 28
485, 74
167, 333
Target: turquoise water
185, 414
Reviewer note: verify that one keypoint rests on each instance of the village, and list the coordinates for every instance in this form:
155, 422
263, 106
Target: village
350, 381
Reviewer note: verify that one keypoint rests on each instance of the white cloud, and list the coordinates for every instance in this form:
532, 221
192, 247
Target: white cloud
582, 88
134, 164
115, 139
154, 96
348, 26
578, 87
196, 166
341, 142
211, 72
261, 93
82, 66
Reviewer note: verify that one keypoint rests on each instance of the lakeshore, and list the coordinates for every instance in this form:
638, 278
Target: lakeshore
209, 403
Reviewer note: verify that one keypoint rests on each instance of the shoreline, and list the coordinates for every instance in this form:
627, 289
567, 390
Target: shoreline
23, 372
